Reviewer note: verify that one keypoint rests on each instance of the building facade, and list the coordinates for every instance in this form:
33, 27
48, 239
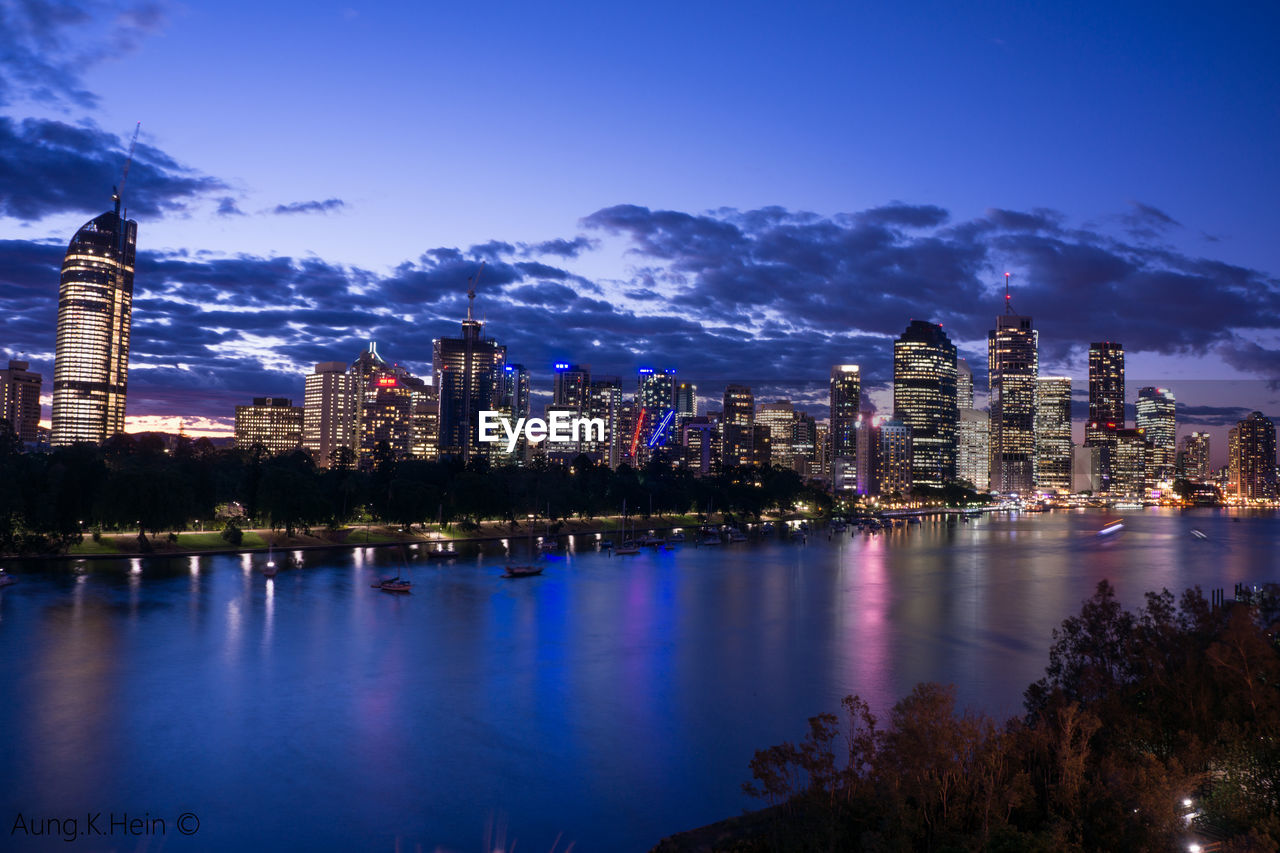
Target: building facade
95, 310
1156, 417
329, 406
973, 449
20, 401
466, 371
737, 427
1013, 366
273, 423
1195, 457
845, 399
924, 398
1253, 462
1053, 434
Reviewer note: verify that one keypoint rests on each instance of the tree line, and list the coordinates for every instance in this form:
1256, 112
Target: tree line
49, 501
1138, 713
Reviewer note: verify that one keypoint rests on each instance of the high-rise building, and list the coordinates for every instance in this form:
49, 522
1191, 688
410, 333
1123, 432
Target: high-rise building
1157, 419
736, 426
20, 400
1195, 457
1253, 458
846, 392
570, 387
894, 467
866, 461
605, 403
425, 433
329, 414
1106, 392
804, 445
973, 449
274, 423
95, 307
1053, 434
924, 398
964, 384
779, 417
1129, 463
697, 437
467, 371
1013, 366
656, 396
686, 400
386, 419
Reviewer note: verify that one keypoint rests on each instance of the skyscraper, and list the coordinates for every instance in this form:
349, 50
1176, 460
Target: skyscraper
964, 384
842, 435
20, 400
924, 398
894, 466
655, 397
1156, 417
1106, 392
1195, 456
1013, 365
1254, 458
569, 389
736, 426
779, 418
973, 449
95, 306
466, 372
329, 413
605, 403
1053, 434
686, 400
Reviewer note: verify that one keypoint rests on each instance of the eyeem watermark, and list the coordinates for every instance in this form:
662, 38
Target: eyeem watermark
560, 428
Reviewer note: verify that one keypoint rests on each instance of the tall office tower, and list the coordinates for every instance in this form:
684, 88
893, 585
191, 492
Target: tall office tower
697, 437
20, 400
512, 393
95, 305
761, 446
964, 384
656, 396
272, 422
1157, 419
570, 387
735, 426
894, 467
686, 400
1106, 392
779, 420
386, 417
605, 402
804, 445
1013, 365
329, 414
629, 433
1254, 458
866, 463
1233, 462
1053, 434
821, 469
973, 449
924, 398
467, 373
845, 399
1195, 456
425, 432
1129, 463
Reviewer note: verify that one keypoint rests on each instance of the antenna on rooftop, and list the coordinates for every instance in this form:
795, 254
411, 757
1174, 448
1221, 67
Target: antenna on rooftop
1008, 306
471, 289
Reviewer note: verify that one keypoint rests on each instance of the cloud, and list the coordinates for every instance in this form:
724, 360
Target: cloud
326, 206
227, 206
49, 167
769, 297
47, 45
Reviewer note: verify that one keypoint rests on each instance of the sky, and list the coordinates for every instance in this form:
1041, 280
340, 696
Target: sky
746, 192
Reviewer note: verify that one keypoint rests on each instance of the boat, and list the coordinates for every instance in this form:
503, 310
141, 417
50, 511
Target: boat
6, 578
653, 542
444, 553
627, 549
522, 571
396, 584
736, 535
1111, 527
677, 538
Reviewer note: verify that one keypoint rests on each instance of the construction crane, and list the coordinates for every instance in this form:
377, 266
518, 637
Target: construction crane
119, 193
471, 289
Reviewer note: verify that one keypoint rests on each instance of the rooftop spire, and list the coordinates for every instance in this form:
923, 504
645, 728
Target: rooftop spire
1008, 305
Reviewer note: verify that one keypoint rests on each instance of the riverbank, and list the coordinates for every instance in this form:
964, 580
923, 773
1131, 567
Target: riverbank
256, 540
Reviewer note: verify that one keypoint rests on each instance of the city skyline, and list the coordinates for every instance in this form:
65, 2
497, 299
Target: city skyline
249, 274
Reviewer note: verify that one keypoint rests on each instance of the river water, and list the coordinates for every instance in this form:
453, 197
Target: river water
605, 704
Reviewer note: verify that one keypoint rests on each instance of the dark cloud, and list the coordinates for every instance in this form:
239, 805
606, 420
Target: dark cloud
327, 206
1214, 416
768, 297
560, 248
50, 167
227, 207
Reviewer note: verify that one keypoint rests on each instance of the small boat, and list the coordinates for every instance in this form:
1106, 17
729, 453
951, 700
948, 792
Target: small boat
627, 549
736, 535
6, 578
676, 539
445, 553
527, 571
653, 542
396, 584
1111, 527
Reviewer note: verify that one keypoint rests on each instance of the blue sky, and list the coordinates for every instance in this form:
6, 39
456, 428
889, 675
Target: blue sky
327, 157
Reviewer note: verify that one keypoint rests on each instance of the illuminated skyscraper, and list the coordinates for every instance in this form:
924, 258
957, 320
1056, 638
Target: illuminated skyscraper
973, 449
779, 418
1106, 392
329, 414
1254, 458
1156, 417
894, 466
924, 398
964, 384
95, 306
1053, 434
569, 389
655, 397
605, 403
846, 391
1013, 366
20, 400
736, 426
1195, 456
467, 373
686, 400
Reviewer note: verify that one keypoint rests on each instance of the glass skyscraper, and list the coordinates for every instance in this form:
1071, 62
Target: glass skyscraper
95, 305
924, 398
1013, 364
